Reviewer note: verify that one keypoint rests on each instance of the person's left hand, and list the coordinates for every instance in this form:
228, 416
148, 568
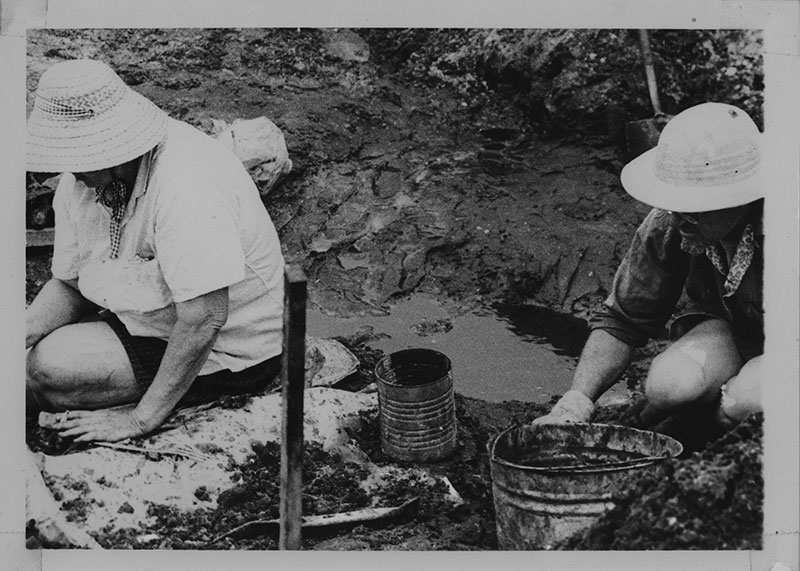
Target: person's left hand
105, 425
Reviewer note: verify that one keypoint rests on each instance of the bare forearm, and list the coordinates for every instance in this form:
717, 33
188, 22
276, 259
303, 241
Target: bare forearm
190, 343
187, 352
603, 360
58, 303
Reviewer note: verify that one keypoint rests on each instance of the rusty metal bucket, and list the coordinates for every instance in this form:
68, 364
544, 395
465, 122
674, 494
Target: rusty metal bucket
416, 405
552, 481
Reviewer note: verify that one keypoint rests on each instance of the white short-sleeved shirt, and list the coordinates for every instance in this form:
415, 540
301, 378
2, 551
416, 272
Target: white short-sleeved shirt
195, 223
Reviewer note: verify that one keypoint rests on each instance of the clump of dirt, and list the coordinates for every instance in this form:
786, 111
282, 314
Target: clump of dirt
49, 441
712, 500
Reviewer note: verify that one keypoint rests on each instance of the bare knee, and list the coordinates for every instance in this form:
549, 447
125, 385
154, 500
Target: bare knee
674, 381
41, 376
80, 366
50, 376
691, 371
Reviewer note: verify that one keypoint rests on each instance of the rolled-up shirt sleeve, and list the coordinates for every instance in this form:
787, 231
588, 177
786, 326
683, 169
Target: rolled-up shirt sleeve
647, 285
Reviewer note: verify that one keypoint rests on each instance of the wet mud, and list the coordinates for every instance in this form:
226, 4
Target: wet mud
401, 189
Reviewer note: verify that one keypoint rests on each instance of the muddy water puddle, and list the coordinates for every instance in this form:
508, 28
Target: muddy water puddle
504, 353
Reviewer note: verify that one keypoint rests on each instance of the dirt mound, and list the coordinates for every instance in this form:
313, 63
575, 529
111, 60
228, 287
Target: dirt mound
712, 500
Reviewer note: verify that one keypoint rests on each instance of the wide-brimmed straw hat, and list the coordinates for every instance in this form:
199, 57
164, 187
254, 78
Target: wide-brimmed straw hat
85, 118
707, 158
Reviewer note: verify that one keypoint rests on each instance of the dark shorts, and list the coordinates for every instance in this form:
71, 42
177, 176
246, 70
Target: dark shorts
145, 354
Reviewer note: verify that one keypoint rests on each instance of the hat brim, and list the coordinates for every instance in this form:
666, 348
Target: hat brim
639, 180
131, 129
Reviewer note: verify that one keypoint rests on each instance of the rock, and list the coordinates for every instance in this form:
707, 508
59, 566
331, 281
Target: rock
260, 145
327, 362
346, 45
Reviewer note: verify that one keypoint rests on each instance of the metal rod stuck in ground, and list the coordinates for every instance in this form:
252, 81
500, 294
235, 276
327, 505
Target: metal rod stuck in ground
293, 380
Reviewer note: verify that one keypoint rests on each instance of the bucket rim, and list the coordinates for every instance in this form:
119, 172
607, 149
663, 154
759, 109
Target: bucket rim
446, 362
554, 470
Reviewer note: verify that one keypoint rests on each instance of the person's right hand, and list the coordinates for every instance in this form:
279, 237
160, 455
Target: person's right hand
105, 424
574, 406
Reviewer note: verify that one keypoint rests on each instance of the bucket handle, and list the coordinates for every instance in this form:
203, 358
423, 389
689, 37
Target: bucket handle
492, 441
608, 466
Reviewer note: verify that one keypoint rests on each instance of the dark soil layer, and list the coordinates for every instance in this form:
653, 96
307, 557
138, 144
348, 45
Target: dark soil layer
428, 167
711, 501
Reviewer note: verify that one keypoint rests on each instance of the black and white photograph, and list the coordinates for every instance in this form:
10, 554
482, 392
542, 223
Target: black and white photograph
401, 288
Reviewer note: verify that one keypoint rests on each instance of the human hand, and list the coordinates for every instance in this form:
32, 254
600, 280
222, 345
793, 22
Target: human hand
105, 425
573, 406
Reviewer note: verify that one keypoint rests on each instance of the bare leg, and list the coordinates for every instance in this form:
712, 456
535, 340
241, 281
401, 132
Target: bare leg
80, 366
692, 370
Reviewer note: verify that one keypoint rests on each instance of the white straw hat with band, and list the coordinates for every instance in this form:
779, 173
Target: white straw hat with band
85, 118
708, 158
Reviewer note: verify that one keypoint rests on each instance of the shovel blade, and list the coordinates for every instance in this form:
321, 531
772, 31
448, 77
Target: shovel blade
640, 137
